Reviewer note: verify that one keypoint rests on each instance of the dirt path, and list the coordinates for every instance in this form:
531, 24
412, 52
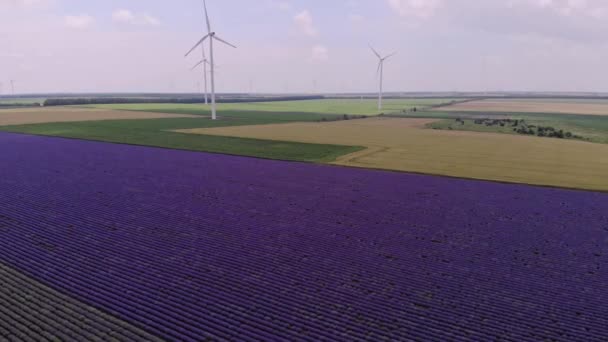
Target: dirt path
72, 114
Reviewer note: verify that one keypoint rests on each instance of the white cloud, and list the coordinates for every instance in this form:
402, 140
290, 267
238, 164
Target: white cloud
304, 22
320, 53
124, 16
24, 3
283, 5
79, 22
531, 37
592, 8
11, 55
356, 18
422, 9
150, 20
278, 4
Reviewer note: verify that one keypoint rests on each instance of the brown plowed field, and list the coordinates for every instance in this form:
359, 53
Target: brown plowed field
68, 114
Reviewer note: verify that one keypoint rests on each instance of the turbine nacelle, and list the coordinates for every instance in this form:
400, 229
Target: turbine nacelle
382, 59
212, 36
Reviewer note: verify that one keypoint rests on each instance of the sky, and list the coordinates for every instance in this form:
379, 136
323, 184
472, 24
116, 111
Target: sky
53, 46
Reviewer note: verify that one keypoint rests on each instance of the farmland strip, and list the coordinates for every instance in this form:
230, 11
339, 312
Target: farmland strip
25, 314
192, 246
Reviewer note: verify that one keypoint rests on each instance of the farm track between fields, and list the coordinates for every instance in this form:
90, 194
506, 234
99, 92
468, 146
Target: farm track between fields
340, 254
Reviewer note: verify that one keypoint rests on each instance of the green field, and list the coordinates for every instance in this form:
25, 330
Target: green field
346, 106
12, 101
504, 157
565, 100
156, 132
593, 128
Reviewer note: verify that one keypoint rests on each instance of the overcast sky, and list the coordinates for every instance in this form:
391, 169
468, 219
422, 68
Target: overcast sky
302, 46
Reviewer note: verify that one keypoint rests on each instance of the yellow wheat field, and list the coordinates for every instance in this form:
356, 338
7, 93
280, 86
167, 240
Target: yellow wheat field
401, 144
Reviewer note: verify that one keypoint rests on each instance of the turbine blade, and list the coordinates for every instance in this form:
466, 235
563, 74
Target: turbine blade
207, 17
197, 64
375, 52
379, 66
389, 56
223, 41
197, 44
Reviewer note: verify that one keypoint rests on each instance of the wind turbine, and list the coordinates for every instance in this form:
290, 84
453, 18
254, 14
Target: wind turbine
380, 72
13, 86
204, 62
212, 37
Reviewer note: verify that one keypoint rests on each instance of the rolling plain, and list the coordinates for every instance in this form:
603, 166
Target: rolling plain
327, 106
238, 229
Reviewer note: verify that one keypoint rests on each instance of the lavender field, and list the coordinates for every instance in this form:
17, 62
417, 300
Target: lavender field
195, 246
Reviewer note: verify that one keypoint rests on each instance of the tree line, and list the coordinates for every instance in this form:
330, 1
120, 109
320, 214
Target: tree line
182, 100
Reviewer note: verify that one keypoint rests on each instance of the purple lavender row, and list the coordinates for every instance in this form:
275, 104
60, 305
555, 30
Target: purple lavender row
32, 311
296, 251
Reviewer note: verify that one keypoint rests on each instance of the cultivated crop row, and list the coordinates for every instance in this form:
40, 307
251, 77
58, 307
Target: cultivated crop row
191, 246
31, 311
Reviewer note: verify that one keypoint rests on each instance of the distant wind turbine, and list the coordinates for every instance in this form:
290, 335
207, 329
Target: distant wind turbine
13, 86
212, 36
380, 72
204, 62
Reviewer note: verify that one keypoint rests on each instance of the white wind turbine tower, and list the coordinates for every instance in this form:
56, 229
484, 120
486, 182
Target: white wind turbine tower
212, 36
381, 72
204, 62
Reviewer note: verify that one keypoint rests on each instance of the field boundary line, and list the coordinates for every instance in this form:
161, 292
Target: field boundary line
355, 156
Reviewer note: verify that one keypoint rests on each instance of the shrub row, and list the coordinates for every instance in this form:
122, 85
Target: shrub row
521, 127
120, 100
